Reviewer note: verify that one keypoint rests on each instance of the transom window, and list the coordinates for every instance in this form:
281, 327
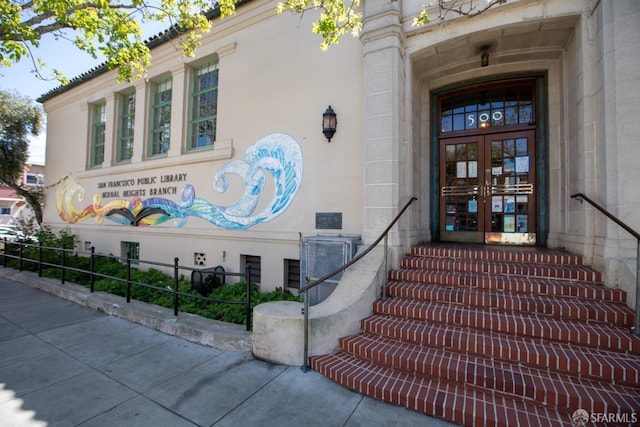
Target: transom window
161, 117
506, 105
98, 133
127, 121
204, 105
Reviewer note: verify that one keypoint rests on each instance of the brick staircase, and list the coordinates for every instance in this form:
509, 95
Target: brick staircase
495, 336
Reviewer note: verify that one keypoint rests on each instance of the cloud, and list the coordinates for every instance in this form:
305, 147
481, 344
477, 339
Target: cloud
37, 147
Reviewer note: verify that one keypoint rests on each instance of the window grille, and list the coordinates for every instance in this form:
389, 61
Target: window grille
256, 269
292, 273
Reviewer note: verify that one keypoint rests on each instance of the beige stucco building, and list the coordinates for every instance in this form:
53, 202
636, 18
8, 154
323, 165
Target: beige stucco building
223, 158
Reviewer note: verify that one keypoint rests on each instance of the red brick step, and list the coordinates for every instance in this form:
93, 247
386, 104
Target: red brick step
458, 403
591, 335
568, 272
559, 307
557, 356
514, 284
494, 336
498, 253
549, 388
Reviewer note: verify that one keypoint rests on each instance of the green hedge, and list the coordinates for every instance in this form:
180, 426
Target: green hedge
233, 313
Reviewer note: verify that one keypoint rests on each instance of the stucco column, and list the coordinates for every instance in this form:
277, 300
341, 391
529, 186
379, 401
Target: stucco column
382, 40
179, 115
140, 121
110, 129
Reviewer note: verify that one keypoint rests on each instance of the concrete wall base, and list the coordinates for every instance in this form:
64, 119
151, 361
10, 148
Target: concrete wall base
214, 333
278, 327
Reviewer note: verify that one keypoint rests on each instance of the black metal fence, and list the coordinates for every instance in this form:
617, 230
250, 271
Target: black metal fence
16, 250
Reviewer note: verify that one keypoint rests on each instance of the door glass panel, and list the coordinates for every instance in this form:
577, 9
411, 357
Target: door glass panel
460, 189
522, 210
510, 170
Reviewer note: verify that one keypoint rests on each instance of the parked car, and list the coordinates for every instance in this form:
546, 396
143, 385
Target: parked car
12, 234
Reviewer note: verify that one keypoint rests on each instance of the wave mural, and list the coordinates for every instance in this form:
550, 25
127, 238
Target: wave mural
278, 154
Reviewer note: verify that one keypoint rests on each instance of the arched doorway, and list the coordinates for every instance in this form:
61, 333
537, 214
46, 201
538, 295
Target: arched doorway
488, 183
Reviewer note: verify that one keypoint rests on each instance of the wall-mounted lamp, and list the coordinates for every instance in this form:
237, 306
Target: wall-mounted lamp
329, 123
484, 56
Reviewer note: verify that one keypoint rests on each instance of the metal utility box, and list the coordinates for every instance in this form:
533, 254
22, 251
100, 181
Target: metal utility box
320, 255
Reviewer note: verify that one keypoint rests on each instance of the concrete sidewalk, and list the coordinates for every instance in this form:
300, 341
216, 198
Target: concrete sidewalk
64, 364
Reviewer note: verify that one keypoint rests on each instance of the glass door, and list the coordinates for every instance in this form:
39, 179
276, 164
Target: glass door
510, 199
487, 188
462, 168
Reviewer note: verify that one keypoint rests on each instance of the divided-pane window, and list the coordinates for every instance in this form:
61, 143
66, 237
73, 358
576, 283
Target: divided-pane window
204, 105
33, 179
127, 116
161, 117
292, 273
131, 250
255, 264
99, 119
489, 106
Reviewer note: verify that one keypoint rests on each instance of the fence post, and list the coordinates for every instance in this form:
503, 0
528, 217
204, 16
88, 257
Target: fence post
64, 261
128, 277
4, 252
20, 252
636, 327
248, 299
92, 267
40, 259
176, 296
386, 271
305, 363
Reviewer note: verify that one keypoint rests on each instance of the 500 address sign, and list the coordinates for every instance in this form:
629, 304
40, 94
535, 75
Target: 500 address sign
496, 117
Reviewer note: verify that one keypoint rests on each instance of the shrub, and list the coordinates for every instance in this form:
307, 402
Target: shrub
111, 273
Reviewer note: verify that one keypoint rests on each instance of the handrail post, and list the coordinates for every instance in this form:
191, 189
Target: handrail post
64, 262
176, 295
386, 271
128, 277
40, 259
248, 297
305, 362
636, 327
21, 252
92, 267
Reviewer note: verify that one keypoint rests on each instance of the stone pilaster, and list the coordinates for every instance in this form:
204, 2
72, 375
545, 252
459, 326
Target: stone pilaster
384, 76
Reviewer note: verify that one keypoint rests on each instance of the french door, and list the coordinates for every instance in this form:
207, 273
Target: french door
487, 188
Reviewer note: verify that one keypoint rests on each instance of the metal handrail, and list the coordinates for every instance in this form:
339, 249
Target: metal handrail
175, 266
580, 197
316, 282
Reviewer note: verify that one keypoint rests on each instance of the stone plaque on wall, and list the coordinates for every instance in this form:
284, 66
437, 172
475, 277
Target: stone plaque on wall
328, 220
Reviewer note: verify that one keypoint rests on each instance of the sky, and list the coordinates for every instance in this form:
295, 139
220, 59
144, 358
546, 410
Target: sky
58, 54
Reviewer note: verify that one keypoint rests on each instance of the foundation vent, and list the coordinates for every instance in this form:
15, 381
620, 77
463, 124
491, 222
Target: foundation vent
320, 255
